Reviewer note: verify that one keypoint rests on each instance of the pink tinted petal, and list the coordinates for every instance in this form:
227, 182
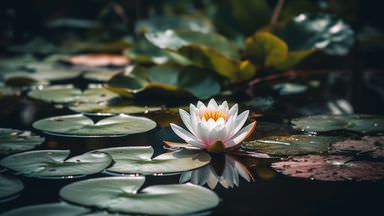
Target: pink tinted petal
240, 121
241, 135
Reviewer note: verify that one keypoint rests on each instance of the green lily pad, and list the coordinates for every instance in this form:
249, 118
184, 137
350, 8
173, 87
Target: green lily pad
138, 160
57, 209
145, 52
102, 75
9, 187
12, 141
82, 126
356, 123
204, 50
290, 88
322, 32
197, 23
56, 164
67, 94
165, 82
263, 48
122, 194
112, 107
292, 144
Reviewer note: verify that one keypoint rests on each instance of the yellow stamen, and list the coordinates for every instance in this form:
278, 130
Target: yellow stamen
215, 115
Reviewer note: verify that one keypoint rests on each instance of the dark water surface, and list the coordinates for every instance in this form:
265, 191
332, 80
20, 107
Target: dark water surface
269, 194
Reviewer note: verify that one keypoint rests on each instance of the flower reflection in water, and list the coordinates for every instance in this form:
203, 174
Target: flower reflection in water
224, 169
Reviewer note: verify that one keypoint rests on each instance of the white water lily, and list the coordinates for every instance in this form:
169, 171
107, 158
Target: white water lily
214, 127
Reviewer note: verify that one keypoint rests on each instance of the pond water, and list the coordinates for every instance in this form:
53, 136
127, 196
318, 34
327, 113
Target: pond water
266, 193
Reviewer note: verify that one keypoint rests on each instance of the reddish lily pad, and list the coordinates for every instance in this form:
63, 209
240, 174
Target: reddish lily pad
330, 168
372, 146
99, 60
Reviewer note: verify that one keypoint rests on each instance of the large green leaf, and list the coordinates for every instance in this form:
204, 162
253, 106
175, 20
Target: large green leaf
145, 52
57, 209
357, 123
54, 163
323, 32
291, 145
82, 126
165, 82
210, 51
67, 94
12, 141
138, 159
121, 194
263, 48
9, 186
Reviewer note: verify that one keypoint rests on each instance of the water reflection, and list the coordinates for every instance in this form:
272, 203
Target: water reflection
225, 169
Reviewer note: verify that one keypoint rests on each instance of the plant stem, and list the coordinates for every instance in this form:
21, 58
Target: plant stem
276, 12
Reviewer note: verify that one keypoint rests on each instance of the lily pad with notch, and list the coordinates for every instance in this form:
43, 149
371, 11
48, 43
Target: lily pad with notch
58, 209
330, 168
81, 126
12, 141
164, 82
292, 144
353, 122
123, 194
68, 94
138, 160
113, 106
56, 164
10, 186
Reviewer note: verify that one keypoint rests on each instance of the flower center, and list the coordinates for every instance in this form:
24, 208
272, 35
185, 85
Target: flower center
215, 115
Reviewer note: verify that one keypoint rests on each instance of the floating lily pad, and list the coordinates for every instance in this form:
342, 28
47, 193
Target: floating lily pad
164, 82
9, 187
145, 52
291, 144
203, 50
372, 146
57, 209
330, 168
67, 94
112, 107
102, 75
138, 160
82, 126
98, 60
323, 31
195, 23
12, 141
54, 163
122, 194
357, 123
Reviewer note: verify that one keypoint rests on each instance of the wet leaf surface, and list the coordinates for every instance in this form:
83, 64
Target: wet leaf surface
68, 93
12, 141
139, 160
58, 209
123, 194
369, 145
291, 144
82, 126
163, 82
9, 186
357, 123
322, 31
56, 164
330, 168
